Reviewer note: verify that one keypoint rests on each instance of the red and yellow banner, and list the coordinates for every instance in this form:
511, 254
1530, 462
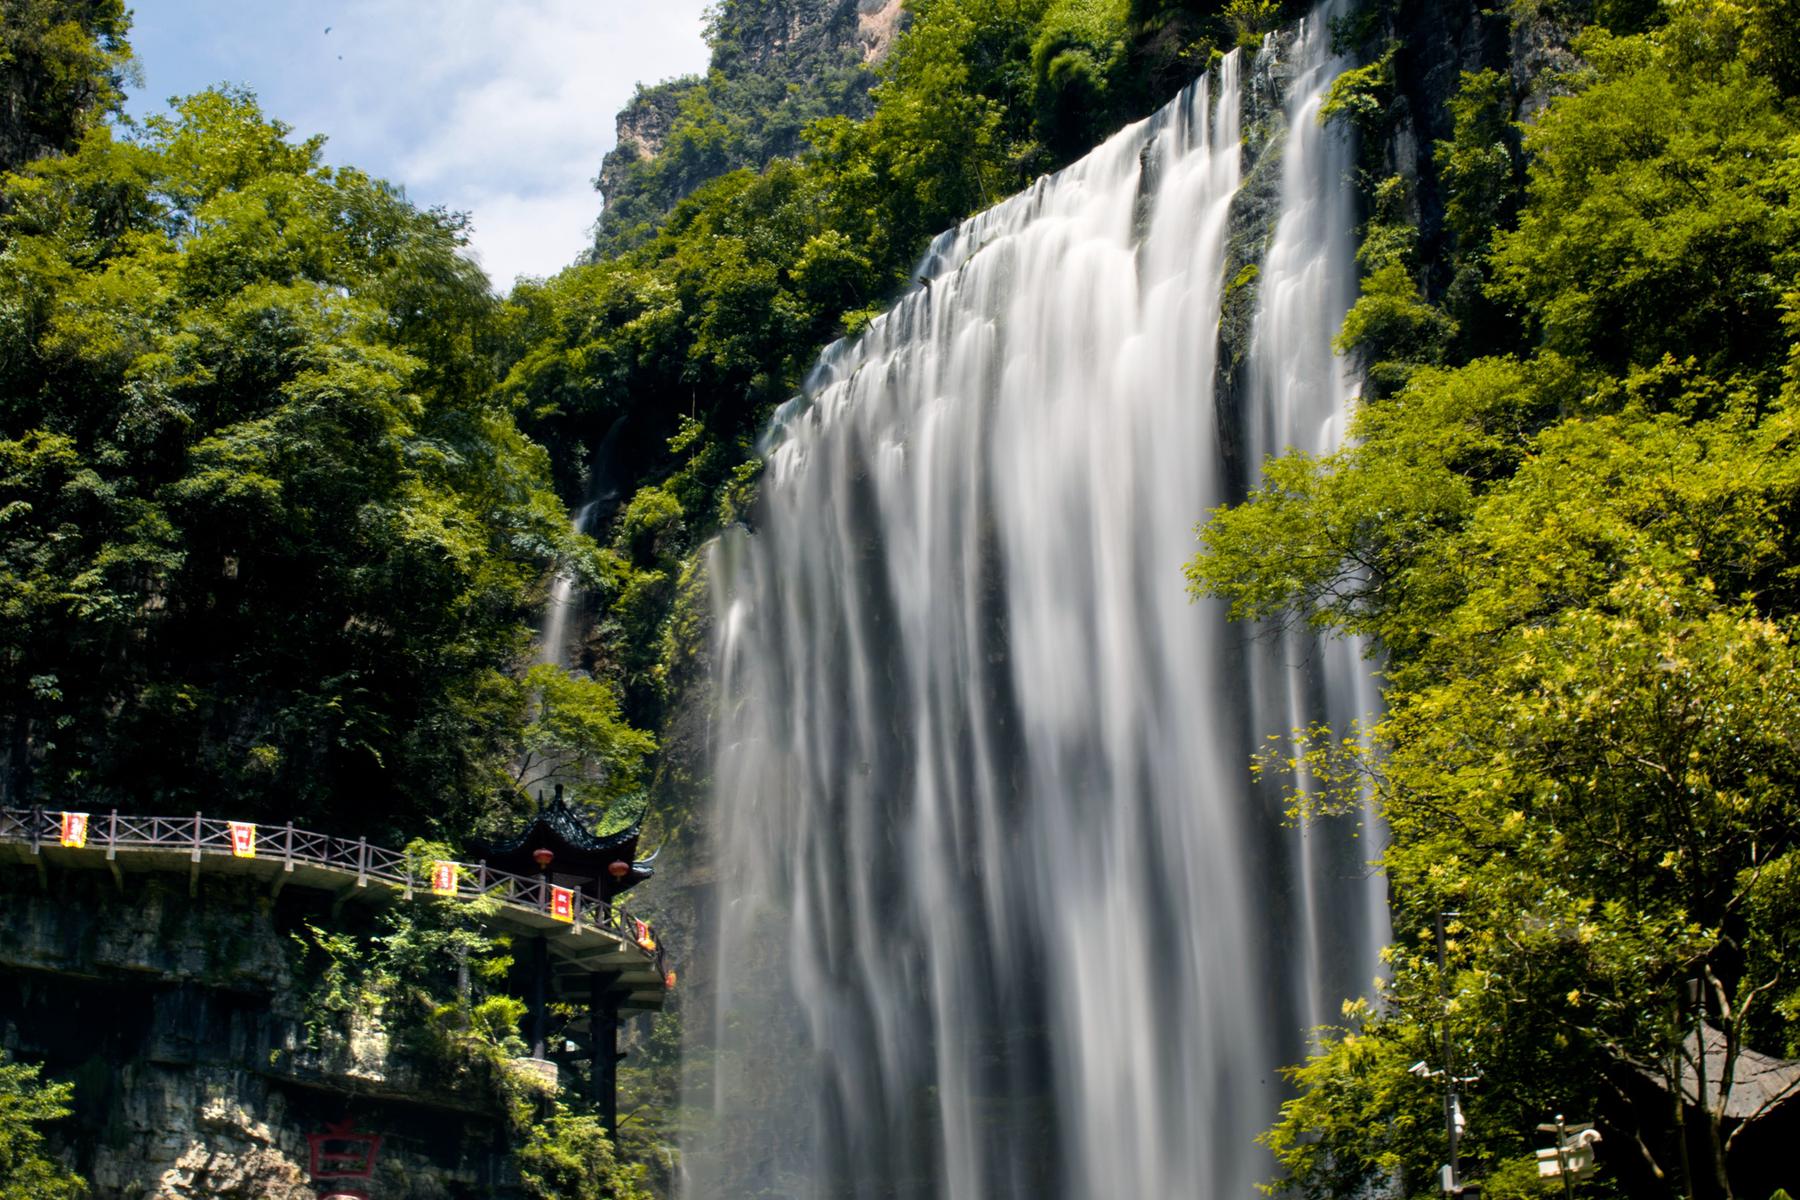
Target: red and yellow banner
562, 903
443, 878
243, 839
642, 932
74, 829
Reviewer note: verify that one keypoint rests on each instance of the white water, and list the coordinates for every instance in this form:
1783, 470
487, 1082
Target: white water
560, 604
999, 911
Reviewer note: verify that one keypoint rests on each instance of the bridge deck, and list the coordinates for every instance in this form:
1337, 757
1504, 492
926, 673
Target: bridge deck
592, 939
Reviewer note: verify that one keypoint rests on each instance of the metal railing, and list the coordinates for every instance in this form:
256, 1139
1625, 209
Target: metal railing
289, 845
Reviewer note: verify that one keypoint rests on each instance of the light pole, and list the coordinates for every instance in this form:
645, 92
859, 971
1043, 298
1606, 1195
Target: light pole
1452, 1103
1453, 1117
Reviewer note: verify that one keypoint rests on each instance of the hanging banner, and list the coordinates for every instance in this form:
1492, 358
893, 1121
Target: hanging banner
443, 878
243, 839
562, 903
74, 830
642, 932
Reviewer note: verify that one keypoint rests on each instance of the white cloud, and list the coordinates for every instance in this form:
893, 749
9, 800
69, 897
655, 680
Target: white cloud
516, 231
501, 108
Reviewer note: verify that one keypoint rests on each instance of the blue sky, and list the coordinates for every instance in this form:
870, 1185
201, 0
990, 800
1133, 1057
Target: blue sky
499, 108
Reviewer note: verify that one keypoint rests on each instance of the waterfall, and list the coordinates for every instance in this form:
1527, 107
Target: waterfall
999, 911
559, 605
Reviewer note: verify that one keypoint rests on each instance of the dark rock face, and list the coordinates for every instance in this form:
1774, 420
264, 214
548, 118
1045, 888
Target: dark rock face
178, 1021
1252, 223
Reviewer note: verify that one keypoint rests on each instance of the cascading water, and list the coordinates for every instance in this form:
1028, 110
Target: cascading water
559, 605
1300, 394
999, 911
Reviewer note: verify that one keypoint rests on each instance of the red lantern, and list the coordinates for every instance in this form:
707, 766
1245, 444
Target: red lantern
543, 858
619, 870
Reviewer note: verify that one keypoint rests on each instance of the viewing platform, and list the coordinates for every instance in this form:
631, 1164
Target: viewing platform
585, 939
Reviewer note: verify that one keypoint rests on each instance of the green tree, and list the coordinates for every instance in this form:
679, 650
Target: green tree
268, 532
569, 1157
62, 67
577, 739
26, 1104
1577, 563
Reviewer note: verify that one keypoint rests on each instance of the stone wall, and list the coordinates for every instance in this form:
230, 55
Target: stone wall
178, 1019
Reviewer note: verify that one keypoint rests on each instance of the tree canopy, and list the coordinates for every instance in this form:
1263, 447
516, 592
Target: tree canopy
266, 532
1573, 545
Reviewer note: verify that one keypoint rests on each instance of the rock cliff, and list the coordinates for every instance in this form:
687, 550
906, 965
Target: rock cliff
776, 64
179, 1019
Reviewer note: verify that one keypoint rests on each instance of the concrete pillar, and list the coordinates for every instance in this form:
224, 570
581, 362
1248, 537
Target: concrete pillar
603, 1019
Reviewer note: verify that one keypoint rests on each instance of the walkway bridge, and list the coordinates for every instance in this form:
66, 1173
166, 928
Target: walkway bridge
586, 945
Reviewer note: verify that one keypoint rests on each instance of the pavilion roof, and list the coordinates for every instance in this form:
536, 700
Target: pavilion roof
1760, 1083
576, 849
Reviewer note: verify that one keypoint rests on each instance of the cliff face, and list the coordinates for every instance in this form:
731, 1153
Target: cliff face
180, 1021
776, 64
642, 128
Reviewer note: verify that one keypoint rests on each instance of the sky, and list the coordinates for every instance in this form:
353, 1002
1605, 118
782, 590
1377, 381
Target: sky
498, 108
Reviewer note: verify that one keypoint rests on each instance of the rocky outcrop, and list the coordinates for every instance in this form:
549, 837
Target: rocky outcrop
642, 128
178, 1019
878, 23
776, 64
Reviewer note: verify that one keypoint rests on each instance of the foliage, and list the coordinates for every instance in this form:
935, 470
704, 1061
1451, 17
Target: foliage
751, 107
26, 1103
266, 529
62, 66
1576, 559
430, 974
1661, 216
577, 739
569, 1157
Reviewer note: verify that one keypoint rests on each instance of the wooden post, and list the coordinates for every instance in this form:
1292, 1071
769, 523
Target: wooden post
196, 857
287, 852
362, 862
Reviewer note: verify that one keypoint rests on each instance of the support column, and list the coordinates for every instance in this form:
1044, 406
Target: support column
603, 1022
540, 1007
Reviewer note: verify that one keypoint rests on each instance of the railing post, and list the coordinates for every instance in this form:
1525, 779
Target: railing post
481, 876
196, 857
288, 849
362, 862
575, 912
37, 826
112, 836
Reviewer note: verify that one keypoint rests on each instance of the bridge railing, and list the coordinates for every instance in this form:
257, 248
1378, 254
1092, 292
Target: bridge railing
201, 835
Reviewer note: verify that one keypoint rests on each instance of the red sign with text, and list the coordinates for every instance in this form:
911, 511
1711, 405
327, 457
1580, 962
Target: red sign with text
243, 839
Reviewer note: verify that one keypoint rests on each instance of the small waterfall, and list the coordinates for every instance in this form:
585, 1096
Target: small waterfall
559, 606
999, 911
